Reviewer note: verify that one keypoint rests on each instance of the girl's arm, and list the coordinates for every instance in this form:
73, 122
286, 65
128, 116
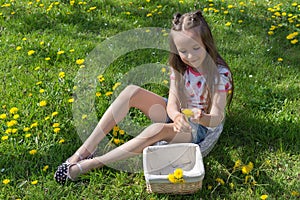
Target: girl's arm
216, 115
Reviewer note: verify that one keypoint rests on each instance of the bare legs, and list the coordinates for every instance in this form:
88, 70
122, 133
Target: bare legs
149, 103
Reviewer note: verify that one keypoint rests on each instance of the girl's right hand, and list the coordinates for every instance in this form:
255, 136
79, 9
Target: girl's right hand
181, 124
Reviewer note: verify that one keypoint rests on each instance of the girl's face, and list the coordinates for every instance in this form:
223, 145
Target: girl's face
190, 48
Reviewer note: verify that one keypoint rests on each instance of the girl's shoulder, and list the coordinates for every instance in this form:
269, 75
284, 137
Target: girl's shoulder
223, 70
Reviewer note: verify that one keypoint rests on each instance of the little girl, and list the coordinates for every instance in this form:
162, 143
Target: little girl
200, 82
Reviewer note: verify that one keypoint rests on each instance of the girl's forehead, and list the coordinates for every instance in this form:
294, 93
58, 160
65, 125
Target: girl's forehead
186, 38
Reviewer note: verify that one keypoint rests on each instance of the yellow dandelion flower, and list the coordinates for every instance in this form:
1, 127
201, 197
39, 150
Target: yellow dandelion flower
147, 1
149, 15
39, 83
240, 21
221, 181
108, 93
56, 130
30, 52
34, 182
46, 118
60, 52
178, 173
5, 137
100, 78
18, 48
3, 116
295, 194
116, 141
171, 178
26, 129
165, 82
163, 70
45, 168
72, 3
294, 4
13, 110
98, 94
122, 132
79, 61
116, 85
83, 116
11, 123
35, 124
43, 103
92, 8
48, 58
54, 114
6, 181
56, 125
209, 187
231, 185
127, 13
237, 164
72, 50
116, 128
264, 196
71, 100
8, 131
27, 135
270, 32
14, 130
41, 90
61, 141
228, 24
294, 41
61, 74
280, 59
188, 112
33, 151
24, 39
230, 6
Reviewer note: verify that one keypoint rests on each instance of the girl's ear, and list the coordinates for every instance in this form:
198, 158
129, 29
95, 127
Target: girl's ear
176, 18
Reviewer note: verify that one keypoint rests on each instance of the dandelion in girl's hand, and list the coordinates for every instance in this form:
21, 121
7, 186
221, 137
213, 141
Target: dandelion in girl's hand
6, 181
188, 112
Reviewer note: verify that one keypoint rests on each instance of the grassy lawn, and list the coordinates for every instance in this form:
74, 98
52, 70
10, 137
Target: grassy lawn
45, 51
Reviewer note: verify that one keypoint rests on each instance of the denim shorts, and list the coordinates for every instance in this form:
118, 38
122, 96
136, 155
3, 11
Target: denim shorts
198, 131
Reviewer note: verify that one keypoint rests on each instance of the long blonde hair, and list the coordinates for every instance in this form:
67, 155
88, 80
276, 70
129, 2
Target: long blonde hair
195, 22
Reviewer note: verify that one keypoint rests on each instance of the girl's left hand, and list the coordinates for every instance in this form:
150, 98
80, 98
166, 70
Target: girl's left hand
198, 113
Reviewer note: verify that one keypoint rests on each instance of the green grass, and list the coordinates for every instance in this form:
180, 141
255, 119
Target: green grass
262, 127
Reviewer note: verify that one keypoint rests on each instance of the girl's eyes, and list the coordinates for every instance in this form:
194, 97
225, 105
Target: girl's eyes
184, 51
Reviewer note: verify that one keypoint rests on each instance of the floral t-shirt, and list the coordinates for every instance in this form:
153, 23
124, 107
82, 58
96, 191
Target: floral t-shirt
196, 89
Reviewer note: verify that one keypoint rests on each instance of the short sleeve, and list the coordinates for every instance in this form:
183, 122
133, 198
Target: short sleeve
225, 79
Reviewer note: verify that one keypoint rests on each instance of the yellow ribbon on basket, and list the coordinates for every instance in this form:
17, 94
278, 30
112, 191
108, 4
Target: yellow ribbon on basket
177, 176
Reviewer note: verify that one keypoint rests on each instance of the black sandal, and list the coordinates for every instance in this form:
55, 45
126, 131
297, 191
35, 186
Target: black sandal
62, 173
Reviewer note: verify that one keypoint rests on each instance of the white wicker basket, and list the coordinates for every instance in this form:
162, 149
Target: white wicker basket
160, 161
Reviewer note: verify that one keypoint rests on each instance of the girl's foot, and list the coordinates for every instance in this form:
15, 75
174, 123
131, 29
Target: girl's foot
62, 173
